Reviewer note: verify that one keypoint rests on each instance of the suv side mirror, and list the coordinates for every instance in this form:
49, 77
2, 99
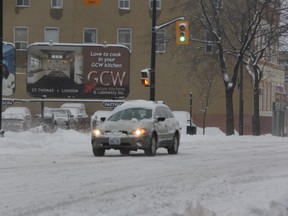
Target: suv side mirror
103, 119
159, 119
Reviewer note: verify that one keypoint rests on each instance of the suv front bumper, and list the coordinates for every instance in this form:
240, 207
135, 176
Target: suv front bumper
120, 142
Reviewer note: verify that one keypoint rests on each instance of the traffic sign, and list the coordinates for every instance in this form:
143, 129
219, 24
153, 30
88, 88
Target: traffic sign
7, 102
111, 104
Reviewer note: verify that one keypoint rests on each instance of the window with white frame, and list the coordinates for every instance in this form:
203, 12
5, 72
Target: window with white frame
51, 34
90, 35
22, 3
269, 96
265, 96
261, 93
218, 4
161, 40
158, 4
35, 63
57, 4
211, 43
124, 4
21, 38
124, 37
262, 41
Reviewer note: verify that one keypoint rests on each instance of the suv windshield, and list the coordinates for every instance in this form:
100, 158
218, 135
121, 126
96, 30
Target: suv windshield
128, 114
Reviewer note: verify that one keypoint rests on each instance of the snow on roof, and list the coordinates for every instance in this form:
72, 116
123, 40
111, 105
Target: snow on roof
137, 103
16, 113
73, 105
23, 110
19, 116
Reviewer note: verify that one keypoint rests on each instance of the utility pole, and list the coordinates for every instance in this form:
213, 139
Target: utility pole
153, 48
241, 102
153, 52
1, 57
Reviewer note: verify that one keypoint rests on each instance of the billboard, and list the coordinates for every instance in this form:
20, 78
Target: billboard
8, 69
78, 71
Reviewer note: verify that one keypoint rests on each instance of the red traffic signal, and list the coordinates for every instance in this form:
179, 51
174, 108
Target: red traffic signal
91, 2
182, 32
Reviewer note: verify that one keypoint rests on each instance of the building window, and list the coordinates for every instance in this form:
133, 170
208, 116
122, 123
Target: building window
265, 96
158, 4
22, 3
211, 43
261, 93
51, 35
35, 63
57, 4
124, 4
269, 96
90, 35
161, 40
218, 4
21, 38
124, 37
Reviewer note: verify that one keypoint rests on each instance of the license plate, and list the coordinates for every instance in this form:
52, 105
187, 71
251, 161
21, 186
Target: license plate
114, 141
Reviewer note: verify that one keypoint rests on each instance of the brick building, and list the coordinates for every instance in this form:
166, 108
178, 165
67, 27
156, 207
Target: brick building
128, 23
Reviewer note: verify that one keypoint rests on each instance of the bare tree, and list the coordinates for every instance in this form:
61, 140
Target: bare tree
204, 78
233, 27
265, 49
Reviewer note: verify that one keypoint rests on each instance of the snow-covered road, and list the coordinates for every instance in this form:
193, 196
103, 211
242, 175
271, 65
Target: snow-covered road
56, 175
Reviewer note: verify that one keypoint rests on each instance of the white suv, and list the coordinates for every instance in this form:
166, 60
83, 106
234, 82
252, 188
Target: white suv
78, 110
59, 117
137, 124
16, 119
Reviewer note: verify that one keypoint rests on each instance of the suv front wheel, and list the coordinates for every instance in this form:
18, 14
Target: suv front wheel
151, 150
98, 152
125, 151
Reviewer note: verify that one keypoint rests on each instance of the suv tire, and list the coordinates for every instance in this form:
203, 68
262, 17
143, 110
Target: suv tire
151, 150
125, 151
173, 149
98, 152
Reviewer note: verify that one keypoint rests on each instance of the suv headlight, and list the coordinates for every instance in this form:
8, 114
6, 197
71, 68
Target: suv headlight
139, 132
96, 132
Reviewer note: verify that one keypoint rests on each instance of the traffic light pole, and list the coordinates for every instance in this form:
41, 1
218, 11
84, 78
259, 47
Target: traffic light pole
1, 72
153, 47
153, 52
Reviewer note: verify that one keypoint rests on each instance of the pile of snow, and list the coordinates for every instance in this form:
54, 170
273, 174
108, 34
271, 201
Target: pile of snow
50, 174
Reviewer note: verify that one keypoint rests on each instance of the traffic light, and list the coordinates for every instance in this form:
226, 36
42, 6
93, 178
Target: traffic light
91, 2
146, 77
182, 32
